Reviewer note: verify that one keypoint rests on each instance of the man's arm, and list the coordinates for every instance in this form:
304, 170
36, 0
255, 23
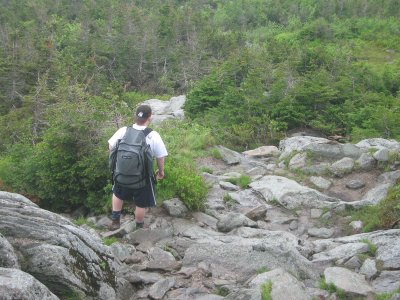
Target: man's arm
160, 165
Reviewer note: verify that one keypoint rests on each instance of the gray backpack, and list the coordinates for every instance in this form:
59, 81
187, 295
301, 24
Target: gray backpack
131, 160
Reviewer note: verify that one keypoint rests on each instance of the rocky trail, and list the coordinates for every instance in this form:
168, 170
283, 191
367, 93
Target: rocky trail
287, 232
288, 227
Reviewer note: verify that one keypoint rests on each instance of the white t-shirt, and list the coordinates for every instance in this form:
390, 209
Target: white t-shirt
153, 139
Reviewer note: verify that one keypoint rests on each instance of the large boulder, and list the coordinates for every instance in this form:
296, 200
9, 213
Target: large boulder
8, 257
320, 148
233, 220
264, 151
238, 257
387, 243
298, 143
379, 143
348, 281
64, 257
164, 110
16, 284
291, 194
333, 151
284, 285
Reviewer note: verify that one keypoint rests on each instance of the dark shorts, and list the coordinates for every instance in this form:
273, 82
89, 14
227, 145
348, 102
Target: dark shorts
144, 197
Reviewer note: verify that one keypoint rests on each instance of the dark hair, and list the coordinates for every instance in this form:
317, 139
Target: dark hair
143, 112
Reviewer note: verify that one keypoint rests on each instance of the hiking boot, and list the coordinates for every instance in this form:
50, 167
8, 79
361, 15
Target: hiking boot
116, 224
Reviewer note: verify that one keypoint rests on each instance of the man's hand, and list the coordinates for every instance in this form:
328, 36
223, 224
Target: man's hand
159, 175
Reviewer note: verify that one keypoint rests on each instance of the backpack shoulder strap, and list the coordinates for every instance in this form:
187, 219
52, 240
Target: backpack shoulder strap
147, 130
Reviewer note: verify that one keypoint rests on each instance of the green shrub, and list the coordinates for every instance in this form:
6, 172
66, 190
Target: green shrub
215, 153
182, 181
185, 141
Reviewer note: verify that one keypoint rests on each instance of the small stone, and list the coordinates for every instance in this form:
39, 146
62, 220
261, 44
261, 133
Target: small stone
366, 162
136, 258
382, 155
298, 161
158, 290
357, 226
369, 268
257, 213
103, 222
315, 213
342, 167
324, 233
327, 215
175, 207
228, 186
353, 263
355, 184
294, 225
320, 182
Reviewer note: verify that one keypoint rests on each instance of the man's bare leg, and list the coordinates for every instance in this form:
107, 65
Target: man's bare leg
116, 203
139, 214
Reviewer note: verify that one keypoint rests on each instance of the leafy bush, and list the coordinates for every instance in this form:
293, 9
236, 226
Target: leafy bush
185, 141
181, 180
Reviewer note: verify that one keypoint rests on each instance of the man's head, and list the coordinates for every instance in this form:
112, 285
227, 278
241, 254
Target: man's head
143, 114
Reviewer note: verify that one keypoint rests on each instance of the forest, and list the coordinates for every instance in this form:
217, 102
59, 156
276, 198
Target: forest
72, 72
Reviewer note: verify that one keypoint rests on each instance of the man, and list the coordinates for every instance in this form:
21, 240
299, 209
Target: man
143, 197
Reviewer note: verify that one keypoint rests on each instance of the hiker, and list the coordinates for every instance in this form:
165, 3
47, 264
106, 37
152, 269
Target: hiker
143, 196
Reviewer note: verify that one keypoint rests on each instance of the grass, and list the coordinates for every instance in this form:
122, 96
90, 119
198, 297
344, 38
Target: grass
206, 170
287, 158
262, 270
71, 295
83, 221
384, 215
371, 247
387, 296
368, 215
242, 181
274, 202
266, 289
221, 291
109, 240
229, 200
332, 288
214, 152
80, 221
